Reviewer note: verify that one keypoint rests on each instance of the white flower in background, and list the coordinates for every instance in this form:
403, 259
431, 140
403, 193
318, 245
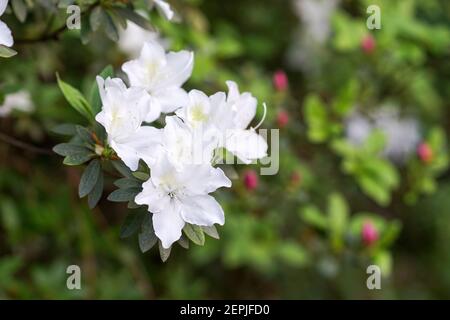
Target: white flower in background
20, 101
6, 38
161, 74
132, 38
402, 133
164, 9
179, 197
228, 117
316, 17
123, 111
313, 32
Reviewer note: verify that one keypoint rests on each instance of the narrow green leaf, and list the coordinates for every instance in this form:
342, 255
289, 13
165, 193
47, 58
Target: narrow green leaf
86, 31
195, 234
124, 195
6, 52
141, 175
111, 29
75, 99
163, 252
96, 194
20, 9
125, 183
132, 223
314, 217
77, 159
85, 134
211, 231
67, 149
89, 178
66, 129
122, 169
97, 18
147, 237
131, 15
184, 242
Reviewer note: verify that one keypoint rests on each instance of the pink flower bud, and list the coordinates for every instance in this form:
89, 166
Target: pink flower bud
369, 234
296, 178
251, 180
282, 118
368, 44
280, 80
425, 152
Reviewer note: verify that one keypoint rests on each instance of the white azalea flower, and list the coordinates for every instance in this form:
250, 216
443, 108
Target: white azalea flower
20, 101
161, 74
164, 9
123, 111
6, 38
229, 117
133, 37
179, 197
185, 146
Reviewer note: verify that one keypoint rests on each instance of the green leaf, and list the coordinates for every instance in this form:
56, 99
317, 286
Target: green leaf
122, 169
211, 231
293, 254
85, 134
96, 194
75, 99
111, 28
125, 183
337, 219
147, 237
6, 52
317, 119
67, 149
132, 223
144, 176
89, 178
183, 242
78, 158
163, 252
20, 9
124, 195
85, 32
95, 99
97, 18
195, 234
131, 15
66, 129
314, 217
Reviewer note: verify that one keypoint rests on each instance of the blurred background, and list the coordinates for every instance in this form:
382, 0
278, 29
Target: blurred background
363, 179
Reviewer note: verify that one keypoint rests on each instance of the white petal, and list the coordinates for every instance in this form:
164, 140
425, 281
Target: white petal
164, 9
171, 98
3, 4
133, 69
203, 179
247, 145
154, 110
153, 197
6, 38
202, 211
128, 155
245, 110
178, 68
168, 224
233, 91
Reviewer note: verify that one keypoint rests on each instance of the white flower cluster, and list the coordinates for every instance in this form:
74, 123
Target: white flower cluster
180, 155
6, 38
